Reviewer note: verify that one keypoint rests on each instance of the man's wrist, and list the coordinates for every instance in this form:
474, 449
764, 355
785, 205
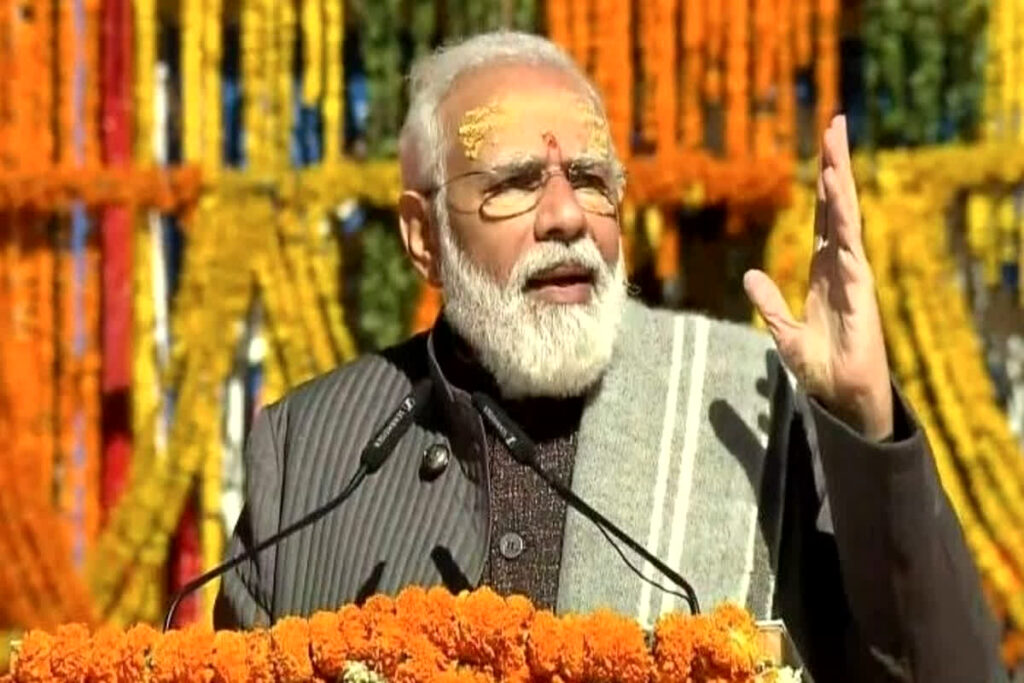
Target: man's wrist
871, 417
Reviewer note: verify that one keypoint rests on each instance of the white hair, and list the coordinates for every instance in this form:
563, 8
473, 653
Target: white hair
423, 140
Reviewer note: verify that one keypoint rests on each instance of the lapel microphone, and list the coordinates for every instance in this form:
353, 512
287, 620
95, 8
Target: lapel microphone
523, 449
371, 459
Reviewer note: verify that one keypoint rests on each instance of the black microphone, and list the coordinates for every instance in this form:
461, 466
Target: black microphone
523, 450
373, 456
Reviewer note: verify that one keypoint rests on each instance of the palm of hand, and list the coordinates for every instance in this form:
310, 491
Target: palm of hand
837, 351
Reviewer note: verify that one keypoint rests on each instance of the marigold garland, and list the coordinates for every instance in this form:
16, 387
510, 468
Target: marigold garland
334, 78
803, 47
698, 178
312, 20
691, 114
737, 68
173, 190
764, 65
826, 64
192, 80
613, 72
420, 635
581, 36
284, 40
715, 44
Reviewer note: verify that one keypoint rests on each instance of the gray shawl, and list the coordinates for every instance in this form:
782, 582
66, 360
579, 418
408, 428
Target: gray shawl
682, 417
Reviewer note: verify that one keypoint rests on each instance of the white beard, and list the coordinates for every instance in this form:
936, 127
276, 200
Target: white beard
533, 347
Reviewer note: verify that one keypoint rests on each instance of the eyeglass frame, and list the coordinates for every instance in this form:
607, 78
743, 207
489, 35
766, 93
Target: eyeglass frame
618, 178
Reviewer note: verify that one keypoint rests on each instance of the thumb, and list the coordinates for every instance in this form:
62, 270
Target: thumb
764, 294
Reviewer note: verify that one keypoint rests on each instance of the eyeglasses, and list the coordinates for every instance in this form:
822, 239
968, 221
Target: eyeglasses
516, 190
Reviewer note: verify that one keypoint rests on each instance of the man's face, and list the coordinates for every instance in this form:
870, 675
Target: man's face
528, 231
529, 161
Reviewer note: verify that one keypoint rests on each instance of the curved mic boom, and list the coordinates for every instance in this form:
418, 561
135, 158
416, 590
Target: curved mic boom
373, 456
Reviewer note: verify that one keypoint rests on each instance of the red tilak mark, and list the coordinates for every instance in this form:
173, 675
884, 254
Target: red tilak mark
551, 142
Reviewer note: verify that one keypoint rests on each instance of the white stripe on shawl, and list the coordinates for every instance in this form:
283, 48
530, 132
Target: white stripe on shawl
688, 456
664, 452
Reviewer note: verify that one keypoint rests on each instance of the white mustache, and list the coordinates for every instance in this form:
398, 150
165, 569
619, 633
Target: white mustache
549, 255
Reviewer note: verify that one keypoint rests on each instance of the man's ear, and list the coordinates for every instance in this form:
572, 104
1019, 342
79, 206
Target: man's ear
419, 235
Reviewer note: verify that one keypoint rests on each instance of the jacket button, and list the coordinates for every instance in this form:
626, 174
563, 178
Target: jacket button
511, 545
435, 461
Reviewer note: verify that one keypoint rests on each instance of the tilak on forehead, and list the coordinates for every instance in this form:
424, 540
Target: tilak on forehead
485, 124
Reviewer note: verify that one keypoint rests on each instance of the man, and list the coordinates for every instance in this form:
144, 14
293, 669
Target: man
825, 511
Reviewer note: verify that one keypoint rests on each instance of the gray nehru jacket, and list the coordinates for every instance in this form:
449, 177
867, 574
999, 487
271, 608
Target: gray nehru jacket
527, 517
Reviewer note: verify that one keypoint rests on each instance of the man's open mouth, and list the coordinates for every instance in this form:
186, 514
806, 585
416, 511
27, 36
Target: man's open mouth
569, 275
564, 284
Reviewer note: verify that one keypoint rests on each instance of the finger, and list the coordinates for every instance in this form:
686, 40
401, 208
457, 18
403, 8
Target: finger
764, 294
844, 221
844, 165
820, 212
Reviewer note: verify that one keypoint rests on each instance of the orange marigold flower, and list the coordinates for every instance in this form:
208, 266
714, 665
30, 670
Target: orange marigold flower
69, 658
440, 615
413, 609
489, 634
387, 642
615, 649
555, 647
423, 661
673, 649
34, 658
721, 646
182, 656
354, 636
326, 646
108, 648
258, 657
378, 607
139, 642
290, 650
731, 615
230, 659
465, 675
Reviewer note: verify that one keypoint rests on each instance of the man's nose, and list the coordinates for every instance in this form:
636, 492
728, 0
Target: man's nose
559, 215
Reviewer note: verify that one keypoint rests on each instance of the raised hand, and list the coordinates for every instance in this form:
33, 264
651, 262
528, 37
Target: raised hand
837, 351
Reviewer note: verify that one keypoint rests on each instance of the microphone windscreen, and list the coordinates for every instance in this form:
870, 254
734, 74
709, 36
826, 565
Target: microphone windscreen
512, 435
397, 424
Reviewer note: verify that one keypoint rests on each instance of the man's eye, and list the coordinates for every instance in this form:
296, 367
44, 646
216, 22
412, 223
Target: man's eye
589, 180
520, 181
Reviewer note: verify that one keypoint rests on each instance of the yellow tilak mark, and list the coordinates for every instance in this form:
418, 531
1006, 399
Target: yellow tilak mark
480, 123
598, 136
477, 124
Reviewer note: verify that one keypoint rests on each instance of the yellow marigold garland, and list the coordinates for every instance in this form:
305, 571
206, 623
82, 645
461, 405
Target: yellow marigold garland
334, 79
312, 19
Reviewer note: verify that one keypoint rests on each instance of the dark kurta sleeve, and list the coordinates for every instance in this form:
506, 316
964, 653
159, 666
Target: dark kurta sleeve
244, 599
892, 594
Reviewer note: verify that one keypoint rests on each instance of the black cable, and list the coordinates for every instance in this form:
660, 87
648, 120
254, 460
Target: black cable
303, 521
604, 532
522, 448
606, 526
372, 458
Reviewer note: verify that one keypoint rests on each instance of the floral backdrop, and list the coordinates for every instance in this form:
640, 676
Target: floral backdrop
195, 215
